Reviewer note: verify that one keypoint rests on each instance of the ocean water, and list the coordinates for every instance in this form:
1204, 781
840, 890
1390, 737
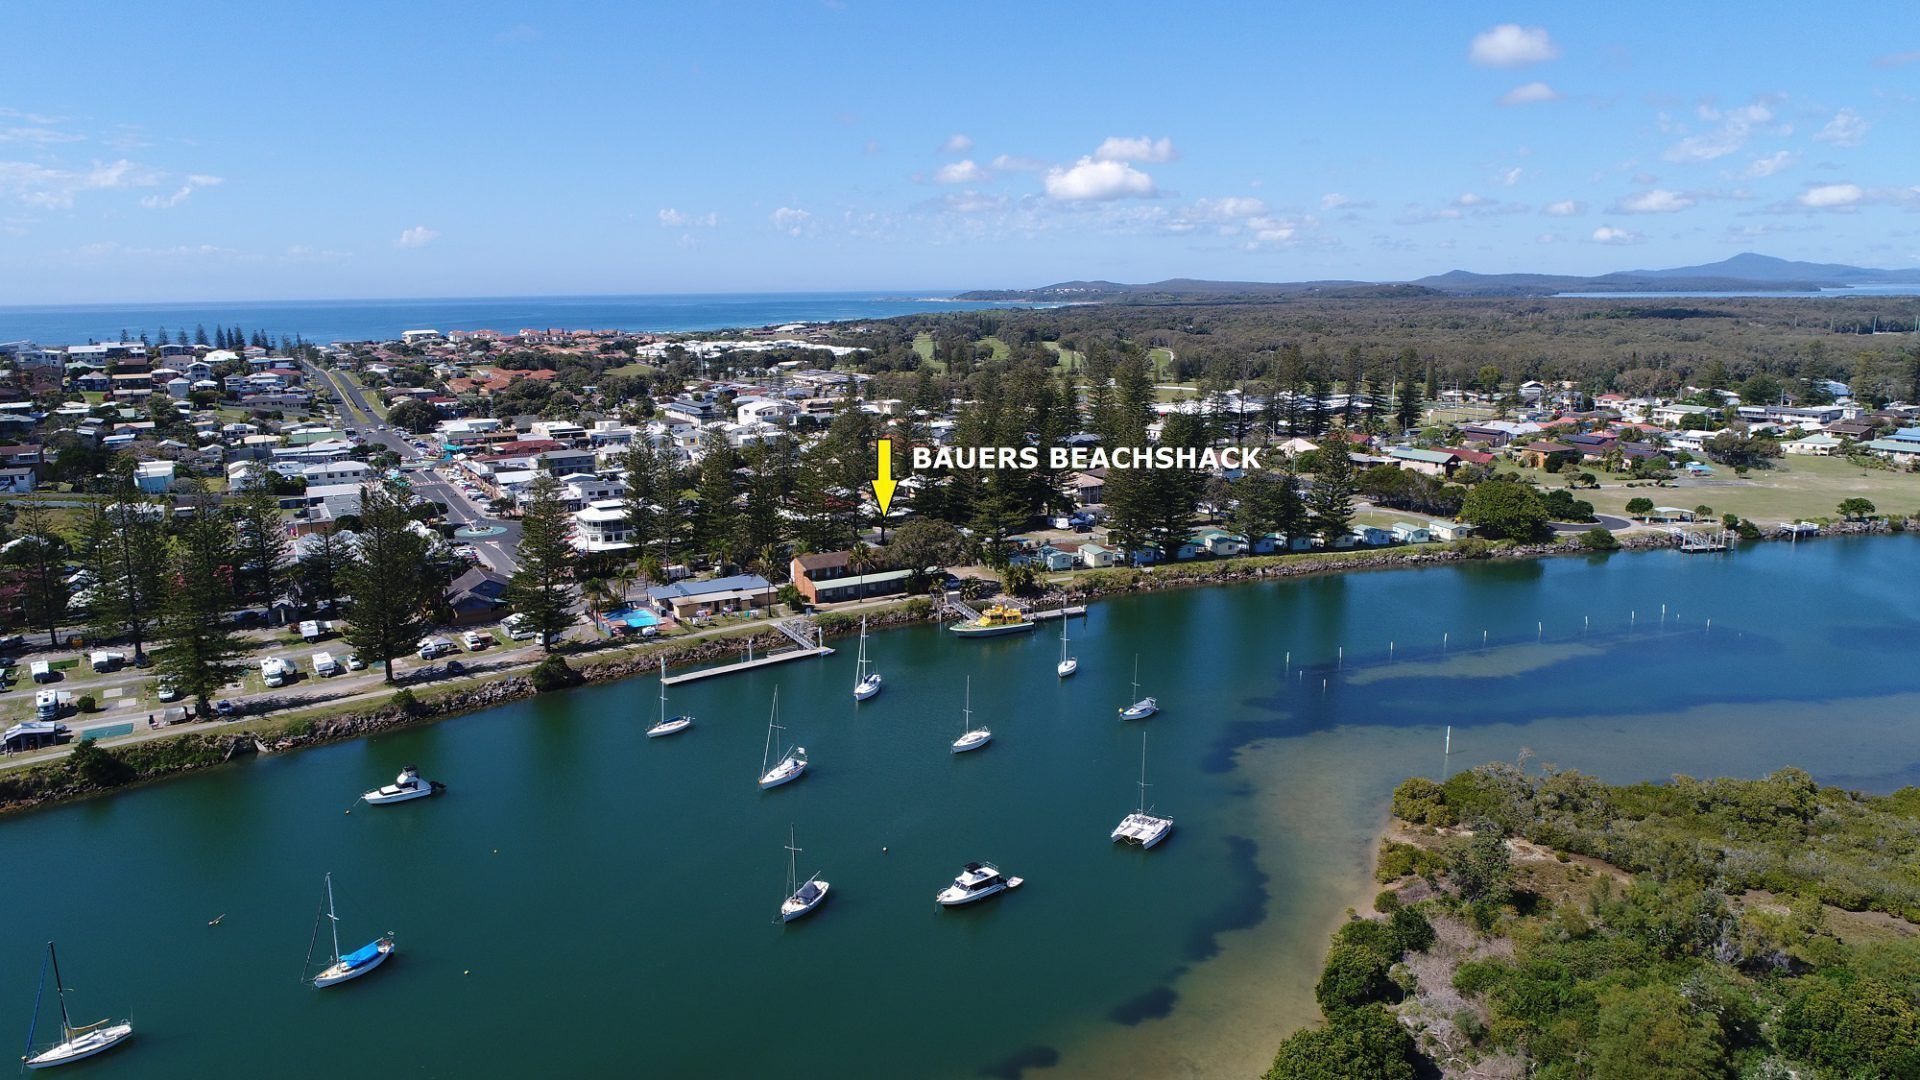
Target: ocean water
378, 320
585, 902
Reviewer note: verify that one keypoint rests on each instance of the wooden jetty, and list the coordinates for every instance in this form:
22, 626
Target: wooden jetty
807, 642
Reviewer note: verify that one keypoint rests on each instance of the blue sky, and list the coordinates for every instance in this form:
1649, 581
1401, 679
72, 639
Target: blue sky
275, 151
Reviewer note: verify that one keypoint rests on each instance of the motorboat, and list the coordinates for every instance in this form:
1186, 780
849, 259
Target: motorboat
405, 787
1068, 664
1142, 707
1142, 827
866, 682
802, 897
76, 1042
793, 761
667, 725
971, 738
994, 621
976, 882
347, 966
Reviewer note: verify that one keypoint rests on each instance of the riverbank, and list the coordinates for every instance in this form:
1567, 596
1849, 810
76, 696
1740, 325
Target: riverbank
165, 755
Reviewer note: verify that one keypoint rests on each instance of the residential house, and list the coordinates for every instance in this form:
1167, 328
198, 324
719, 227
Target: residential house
1097, 556
1411, 532
476, 596
1815, 445
1536, 454
1370, 535
153, 477
687, 599
1425, 462
602, 525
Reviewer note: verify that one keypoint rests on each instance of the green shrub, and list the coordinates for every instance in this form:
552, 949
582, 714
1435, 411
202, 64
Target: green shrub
553, 674
94, 766
1598, 538
1409, 931
1398, 860
404, 701
1354, 975
85, 703
1422, 802
1865, 1029
1364, 1043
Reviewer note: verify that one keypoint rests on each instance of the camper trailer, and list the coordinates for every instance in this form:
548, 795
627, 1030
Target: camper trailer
325, 666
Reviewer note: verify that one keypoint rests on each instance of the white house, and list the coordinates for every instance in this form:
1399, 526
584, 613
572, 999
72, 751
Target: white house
1097, 556
154, 477
602, 526
1411, 532
1818, 445
337, 472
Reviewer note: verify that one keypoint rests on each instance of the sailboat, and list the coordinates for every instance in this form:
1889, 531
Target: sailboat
1068, 664
802, 897
971, 738
1141, 827
75, 1042
866, 683
667, 725
793, 761
1142, 707
351, 965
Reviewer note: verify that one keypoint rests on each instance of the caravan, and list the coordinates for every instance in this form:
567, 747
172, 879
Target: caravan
275, 671
324, 665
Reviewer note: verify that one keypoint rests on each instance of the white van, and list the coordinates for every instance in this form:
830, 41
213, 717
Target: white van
516, 627
274, 670
324, 665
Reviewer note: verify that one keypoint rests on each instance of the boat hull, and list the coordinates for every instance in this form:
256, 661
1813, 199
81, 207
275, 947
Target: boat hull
953, 897
385, 797
972, 740
1140, 710
1066, 667
965, 630
336, 974
671, 727
86, 1046
777, 777
867, 687
796, 909
1142, 830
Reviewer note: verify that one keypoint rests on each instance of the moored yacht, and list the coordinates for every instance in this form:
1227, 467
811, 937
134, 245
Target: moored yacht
1142, 827
976, 882
1142, 707
76, 1043
793, 761
667, 725
802, 897
346, 966
866, 682
971, 738
1068, 664
405, 787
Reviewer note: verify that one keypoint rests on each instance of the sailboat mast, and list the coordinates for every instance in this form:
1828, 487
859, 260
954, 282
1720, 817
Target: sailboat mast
333, 920
766, 755
60, 991
966, 710
793, 863
663, 689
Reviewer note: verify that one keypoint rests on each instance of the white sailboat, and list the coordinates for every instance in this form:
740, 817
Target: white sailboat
793, 760
667, 725
1141, 827
1068, 664
802, 897
351, 965
866, 683
1142, 707
971, 738
75, 1043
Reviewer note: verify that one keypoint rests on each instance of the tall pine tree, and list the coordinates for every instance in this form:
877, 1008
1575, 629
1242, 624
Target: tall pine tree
392, 589
541, 589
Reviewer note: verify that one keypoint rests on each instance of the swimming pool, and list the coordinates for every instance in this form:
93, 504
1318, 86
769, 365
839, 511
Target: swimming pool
635, 618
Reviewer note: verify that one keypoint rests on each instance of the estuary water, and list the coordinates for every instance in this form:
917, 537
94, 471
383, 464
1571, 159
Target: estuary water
585, 902
323, 321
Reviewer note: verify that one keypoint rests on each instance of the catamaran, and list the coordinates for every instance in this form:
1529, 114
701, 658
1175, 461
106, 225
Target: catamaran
996, 620
793, 761
1142, 707
667, 725
351, 965
866, 683
976, 882
971, 738
405, 787
802, 897
1141, 827
75, 1042
1068, 664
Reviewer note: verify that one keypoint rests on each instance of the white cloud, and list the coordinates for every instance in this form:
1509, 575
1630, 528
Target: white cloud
1831, 196
1511, 176
1772, 163
1471, 199
1511, 45
418, 236
956, 144
1735, 127
194, 183
1097, 181
1607, 234
1333, 200
960, 172
674, 219
38, 135
791, 220
56, 189
1845, 129
1547, 238
1899, 59
1017, 163
1232, 206
1140, 148
1533, 93
1656, 201
1564, 208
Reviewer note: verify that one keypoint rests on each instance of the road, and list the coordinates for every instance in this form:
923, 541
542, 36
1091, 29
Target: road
1603, 521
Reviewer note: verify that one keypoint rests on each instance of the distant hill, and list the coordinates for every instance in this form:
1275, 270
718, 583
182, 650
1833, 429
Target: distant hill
1741, 273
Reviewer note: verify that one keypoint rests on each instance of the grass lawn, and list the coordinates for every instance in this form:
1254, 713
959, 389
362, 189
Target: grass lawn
1071, 359
1795, 489
635, 368
923, 344
373, 400
1162, 360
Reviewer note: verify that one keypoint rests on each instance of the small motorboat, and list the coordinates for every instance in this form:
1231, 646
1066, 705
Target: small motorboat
971, 738
802, 897
976, 882
76, 1043
408, 785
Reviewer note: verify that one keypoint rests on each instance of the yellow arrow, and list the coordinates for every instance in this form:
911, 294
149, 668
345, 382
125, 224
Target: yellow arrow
883, 484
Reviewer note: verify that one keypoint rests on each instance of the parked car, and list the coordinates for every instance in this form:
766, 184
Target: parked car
166, 691
455, 667
354, 663
475, 640
225, 707
434, 647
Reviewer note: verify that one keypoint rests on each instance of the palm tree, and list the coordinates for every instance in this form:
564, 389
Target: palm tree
861, 558
768, 564
650, 569
595, 592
